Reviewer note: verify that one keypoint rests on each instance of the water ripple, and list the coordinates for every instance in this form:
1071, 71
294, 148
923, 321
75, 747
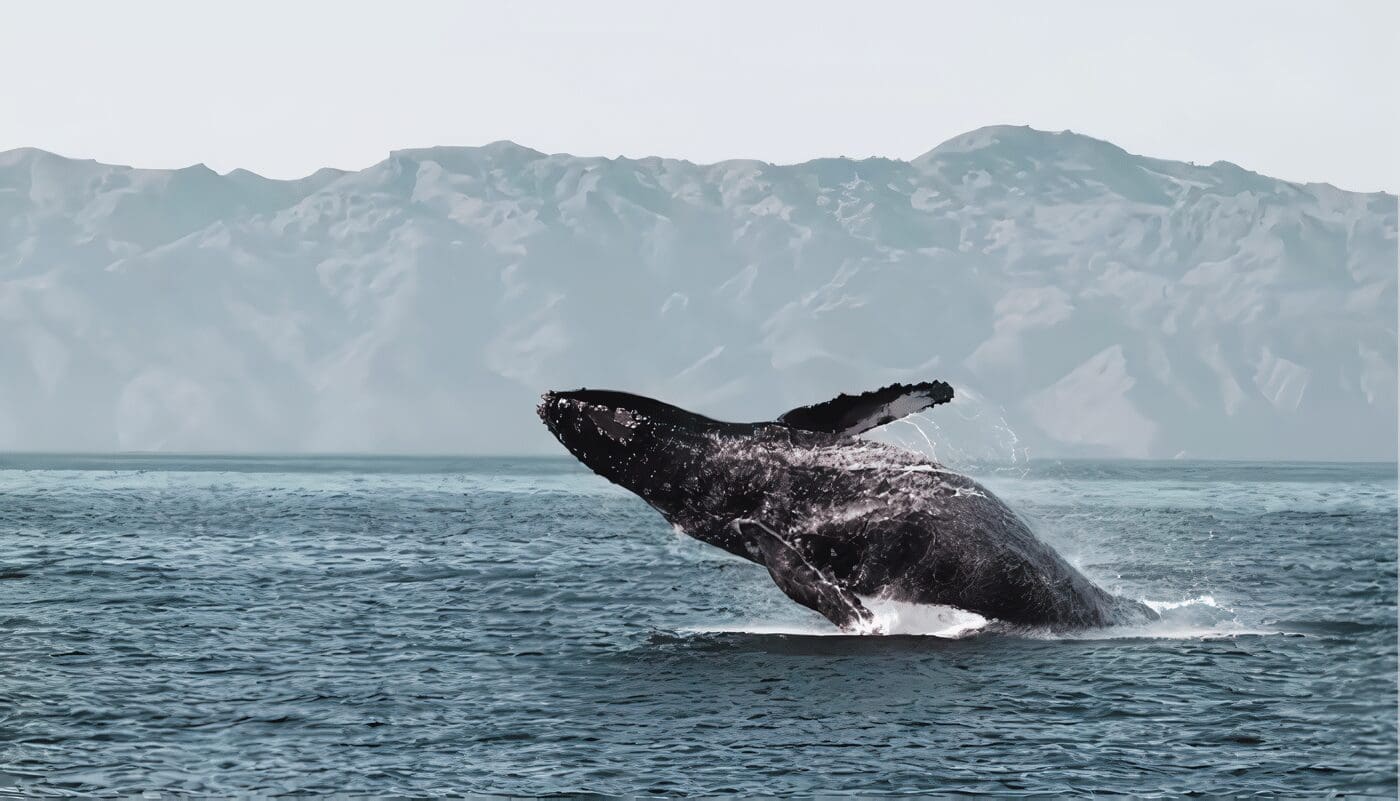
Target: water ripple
223, 625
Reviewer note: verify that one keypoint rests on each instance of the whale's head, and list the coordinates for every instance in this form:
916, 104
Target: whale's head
654, 449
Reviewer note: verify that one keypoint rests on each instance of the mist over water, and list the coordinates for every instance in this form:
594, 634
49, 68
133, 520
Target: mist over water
400, 625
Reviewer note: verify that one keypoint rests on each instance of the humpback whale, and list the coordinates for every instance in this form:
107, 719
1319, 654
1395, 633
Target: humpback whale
834, 518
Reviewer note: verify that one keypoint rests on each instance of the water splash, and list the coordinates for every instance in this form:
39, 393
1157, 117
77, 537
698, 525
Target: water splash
899, 617
1199, 600
970, 433
1197, 618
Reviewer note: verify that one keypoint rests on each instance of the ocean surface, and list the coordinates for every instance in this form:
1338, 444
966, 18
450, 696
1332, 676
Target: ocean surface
420, 626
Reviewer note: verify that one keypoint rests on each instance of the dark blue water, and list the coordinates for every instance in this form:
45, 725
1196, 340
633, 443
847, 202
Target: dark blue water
221, 625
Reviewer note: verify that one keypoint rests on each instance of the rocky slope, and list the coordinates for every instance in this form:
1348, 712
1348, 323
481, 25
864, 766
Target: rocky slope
1083, 300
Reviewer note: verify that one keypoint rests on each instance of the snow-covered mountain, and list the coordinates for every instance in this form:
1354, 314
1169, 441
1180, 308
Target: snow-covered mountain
1082, 300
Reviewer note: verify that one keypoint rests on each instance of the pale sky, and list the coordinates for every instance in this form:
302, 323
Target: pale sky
1301, 91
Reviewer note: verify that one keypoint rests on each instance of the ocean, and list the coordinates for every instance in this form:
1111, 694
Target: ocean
222, 625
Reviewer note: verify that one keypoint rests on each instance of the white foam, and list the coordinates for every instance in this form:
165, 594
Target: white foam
1158, 631
1199, 600
890, 617
900, 617
1195, 618
1199, 617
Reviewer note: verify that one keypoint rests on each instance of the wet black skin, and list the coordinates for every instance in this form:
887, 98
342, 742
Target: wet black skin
831, 516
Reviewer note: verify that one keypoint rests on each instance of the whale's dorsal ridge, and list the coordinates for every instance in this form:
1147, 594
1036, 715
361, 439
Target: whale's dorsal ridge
849, 415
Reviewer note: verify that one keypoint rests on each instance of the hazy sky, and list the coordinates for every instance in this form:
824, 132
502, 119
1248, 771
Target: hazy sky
1303, 91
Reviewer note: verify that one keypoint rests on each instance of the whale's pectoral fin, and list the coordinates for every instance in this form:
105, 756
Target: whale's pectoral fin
805, 583
853, 414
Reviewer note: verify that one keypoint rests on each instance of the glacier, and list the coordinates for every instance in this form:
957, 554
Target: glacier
1084, 301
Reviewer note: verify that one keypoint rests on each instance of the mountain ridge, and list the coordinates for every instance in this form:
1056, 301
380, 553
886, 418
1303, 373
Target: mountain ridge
396, 307
503, 143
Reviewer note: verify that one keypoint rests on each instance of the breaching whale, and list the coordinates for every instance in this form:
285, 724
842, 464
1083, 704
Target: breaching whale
834, 518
